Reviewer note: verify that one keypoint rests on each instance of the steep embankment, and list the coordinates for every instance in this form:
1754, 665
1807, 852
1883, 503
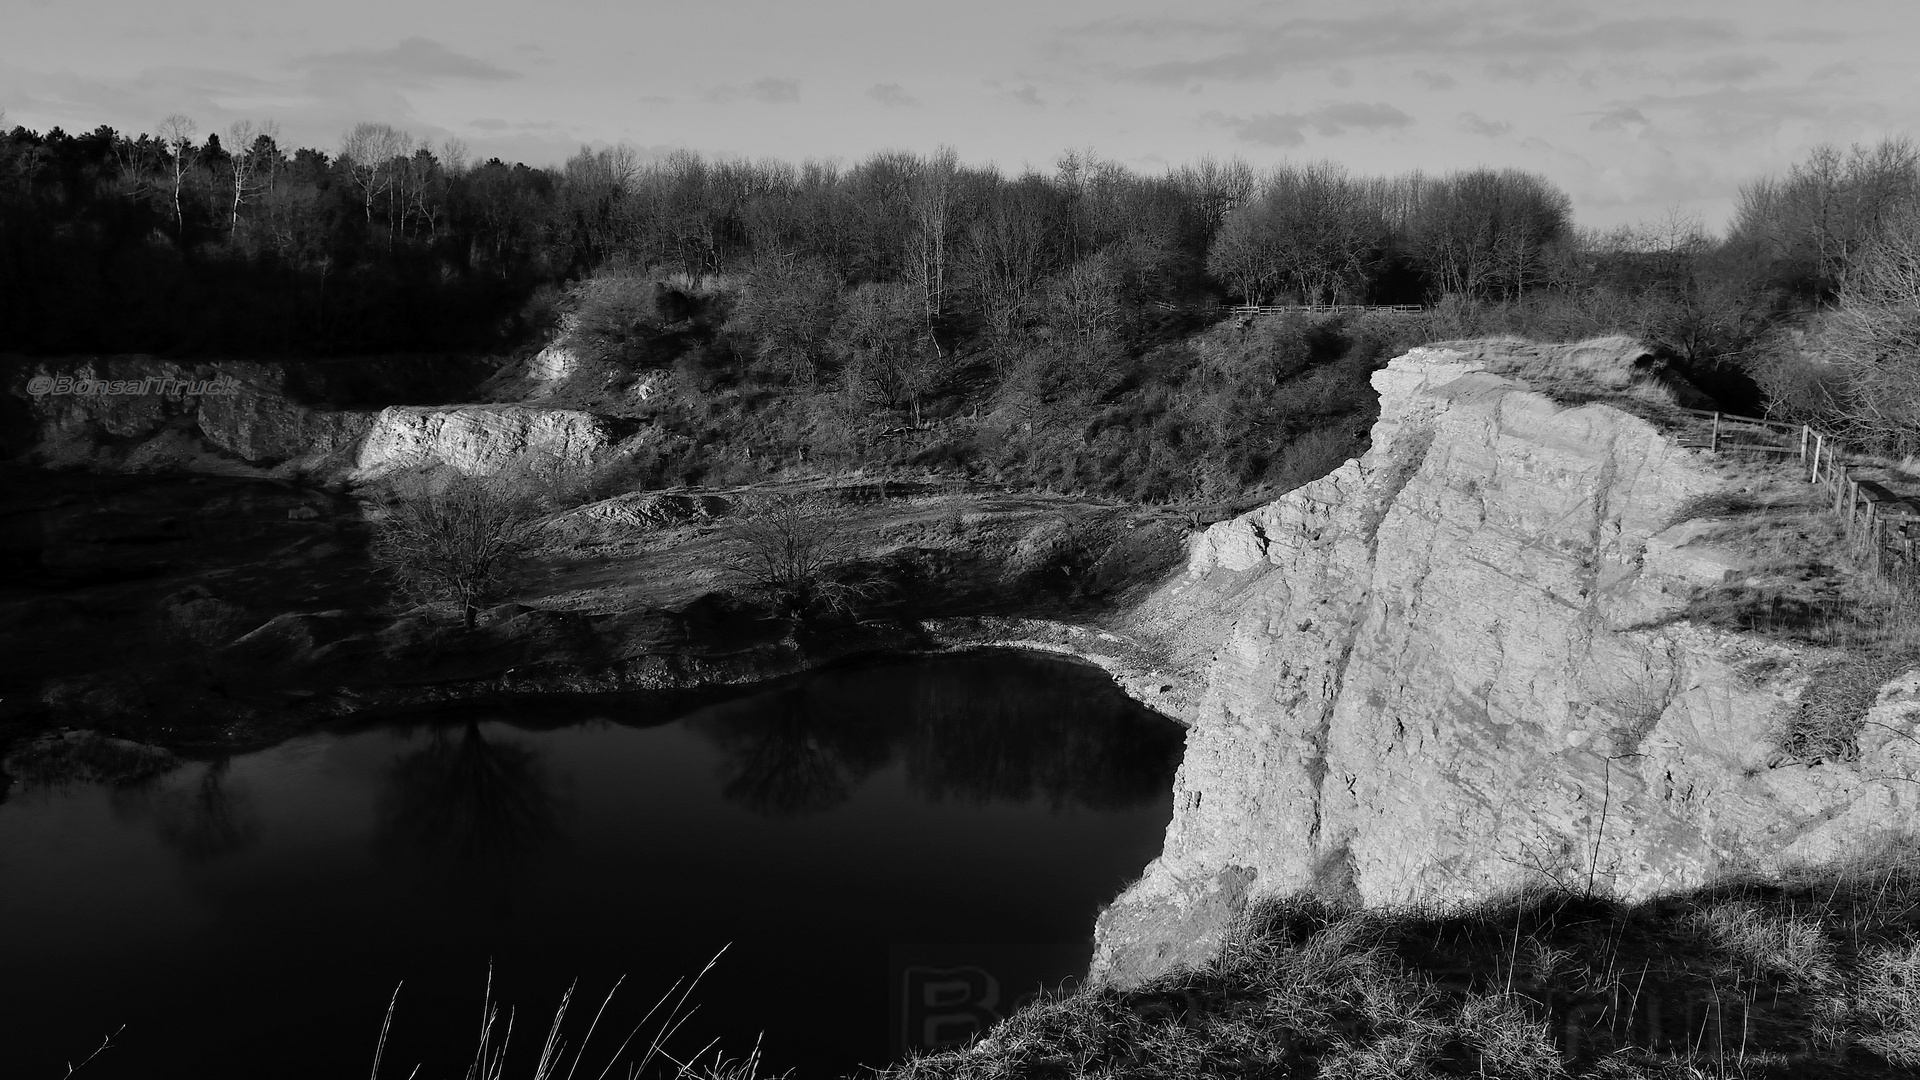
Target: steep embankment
1462, 663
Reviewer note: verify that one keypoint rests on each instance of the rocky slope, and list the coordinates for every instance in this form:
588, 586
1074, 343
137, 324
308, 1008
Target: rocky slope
1460, 664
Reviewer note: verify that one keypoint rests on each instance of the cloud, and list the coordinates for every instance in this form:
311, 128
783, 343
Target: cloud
494, 123
892, 95
1738, 117
1618, 119
1290, 129
1028, 95
1734, 67
415, 61
766, 91
775, 91
1436, 80
1236, 49
1341, 77
1518, 72
1475, 124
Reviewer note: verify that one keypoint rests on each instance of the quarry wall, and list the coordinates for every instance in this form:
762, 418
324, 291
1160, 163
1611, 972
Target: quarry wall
1458, 665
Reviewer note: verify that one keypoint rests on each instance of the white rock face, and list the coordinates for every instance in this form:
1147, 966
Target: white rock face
1455, 666
480, 440
553, 364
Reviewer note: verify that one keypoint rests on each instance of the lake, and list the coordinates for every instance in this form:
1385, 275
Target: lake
892, 852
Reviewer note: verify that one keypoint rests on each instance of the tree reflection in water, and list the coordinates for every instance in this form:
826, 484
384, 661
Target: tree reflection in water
995, 727
793, 751
203, 820
472, 813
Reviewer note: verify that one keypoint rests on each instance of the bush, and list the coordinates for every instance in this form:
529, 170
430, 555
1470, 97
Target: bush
793, 552
453, 540
611, 312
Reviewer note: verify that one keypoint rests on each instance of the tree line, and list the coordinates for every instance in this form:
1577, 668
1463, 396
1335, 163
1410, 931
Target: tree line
889, 275
178, 240
173, 242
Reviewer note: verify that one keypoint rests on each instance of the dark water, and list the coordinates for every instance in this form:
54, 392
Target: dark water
896, 851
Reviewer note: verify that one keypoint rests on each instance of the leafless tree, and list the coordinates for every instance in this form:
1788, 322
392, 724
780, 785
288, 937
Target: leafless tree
882, 331
455, 157
372, 153
933, 211
1311, 230
791, 550
456, 541
250, 161
177, 133
1487, 233
1873, 337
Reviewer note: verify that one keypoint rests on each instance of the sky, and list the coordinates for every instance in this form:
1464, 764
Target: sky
1637, 108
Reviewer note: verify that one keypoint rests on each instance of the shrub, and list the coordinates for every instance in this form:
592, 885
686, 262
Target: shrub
455, 540
611, 311
793, 552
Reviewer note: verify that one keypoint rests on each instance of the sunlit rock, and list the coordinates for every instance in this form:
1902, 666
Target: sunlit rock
1458, 665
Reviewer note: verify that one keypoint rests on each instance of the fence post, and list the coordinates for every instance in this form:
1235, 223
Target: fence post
1713, 443
1805, 433
1819, 444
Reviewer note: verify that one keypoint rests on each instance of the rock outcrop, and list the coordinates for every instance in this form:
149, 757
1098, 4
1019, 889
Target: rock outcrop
481, 439
1459, 665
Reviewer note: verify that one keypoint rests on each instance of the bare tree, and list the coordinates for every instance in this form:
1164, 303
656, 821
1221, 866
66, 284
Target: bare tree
1487, 233
933, 212
793, 551
455, 157
372, 153
1313, 229
881, 328
252, 162
177, 133
1873, 337
456, 542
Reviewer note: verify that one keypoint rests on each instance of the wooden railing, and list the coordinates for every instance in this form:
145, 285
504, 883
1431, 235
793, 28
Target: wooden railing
1322, 309
1883, 524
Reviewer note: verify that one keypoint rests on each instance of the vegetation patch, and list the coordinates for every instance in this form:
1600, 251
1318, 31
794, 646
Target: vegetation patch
1833, 710
1810, 976
86, 757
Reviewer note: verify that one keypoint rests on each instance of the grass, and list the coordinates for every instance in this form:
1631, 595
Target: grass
1816, 973
1803, 583
558, 1060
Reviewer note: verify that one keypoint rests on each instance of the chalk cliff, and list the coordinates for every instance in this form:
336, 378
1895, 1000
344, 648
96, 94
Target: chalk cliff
480, 439
1459, 664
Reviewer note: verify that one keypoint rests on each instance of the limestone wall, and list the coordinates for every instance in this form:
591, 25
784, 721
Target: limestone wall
1456, 666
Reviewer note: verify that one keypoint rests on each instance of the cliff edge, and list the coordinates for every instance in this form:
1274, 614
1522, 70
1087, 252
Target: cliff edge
1465, 662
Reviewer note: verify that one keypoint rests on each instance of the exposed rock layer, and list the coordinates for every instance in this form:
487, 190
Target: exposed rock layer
1457, 666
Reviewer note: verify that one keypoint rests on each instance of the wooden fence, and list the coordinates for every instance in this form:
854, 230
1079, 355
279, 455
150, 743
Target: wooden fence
1881, 523
1323, 309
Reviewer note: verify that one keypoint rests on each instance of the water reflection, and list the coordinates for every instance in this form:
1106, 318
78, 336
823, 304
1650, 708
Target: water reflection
211, 819
469, 812
795, 751
206, 819
1008, 729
